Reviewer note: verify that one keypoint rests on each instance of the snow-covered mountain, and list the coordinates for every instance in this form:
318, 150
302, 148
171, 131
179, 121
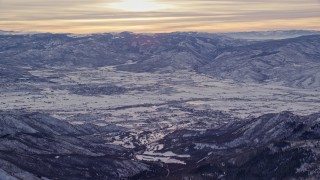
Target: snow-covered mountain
273, 146
294, 62
282, 146
36, 146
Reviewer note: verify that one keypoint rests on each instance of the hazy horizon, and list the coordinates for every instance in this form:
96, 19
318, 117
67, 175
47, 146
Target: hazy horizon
158, 16
105, 32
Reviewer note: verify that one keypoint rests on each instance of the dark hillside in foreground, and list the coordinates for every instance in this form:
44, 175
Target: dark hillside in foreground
277, 146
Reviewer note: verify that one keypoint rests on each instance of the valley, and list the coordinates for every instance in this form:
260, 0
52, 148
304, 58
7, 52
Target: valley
167, 106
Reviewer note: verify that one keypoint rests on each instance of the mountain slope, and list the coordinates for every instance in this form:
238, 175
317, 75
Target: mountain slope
280, 146
296, 62
273, 146
35, 145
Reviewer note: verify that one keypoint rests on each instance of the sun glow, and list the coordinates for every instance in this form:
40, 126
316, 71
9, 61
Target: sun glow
139, 5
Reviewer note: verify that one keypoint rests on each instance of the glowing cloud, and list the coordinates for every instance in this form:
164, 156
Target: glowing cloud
139, 5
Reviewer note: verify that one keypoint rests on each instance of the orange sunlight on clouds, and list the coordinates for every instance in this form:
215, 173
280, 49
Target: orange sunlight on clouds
92, 16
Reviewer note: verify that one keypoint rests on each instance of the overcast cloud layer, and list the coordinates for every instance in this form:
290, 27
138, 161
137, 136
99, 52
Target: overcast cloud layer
89, 16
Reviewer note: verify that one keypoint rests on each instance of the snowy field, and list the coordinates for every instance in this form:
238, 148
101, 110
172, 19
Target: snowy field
150, 91
150, 105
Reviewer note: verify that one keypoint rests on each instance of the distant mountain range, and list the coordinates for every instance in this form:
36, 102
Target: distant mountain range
294, 62
250, 35
265, 35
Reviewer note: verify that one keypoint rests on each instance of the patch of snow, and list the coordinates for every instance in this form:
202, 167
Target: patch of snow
166, 160
166, 154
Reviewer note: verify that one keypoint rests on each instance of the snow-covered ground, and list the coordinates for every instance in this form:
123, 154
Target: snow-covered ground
158, 90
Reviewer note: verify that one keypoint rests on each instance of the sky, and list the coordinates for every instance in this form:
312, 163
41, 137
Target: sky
151, 16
